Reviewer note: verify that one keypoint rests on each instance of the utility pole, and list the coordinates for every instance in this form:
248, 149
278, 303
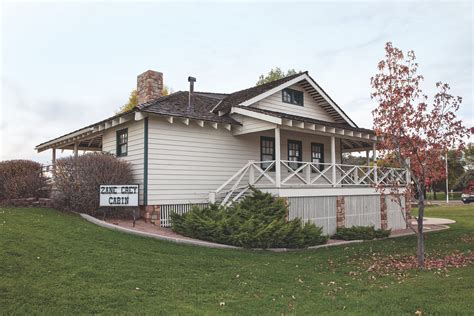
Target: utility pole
447, 189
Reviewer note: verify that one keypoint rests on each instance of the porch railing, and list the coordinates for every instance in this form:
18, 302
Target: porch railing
297, 174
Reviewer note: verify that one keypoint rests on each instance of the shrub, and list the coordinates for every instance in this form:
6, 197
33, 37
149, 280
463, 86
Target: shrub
361, 233
78, 179
258, 221
21, 179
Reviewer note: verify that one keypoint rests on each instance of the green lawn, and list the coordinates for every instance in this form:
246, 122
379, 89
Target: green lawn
56, 263
441, 196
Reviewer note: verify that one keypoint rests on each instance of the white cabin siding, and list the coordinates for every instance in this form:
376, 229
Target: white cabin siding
135, 152
186, 162
309, 109
250, 125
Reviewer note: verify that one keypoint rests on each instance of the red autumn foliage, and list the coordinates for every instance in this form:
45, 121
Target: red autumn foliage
388, 264
411, 128
415, 133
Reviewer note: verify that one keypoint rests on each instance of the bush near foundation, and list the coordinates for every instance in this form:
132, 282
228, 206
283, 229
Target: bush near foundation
258, 221
21, 179
361, 233
78, 180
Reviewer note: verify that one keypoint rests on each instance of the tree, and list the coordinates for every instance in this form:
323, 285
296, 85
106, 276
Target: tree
133, 99
417, 134
132, 102
350, 159
456, 168
275, 74
463, 182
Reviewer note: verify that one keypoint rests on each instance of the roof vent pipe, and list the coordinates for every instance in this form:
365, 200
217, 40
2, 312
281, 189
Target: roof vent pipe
191, 81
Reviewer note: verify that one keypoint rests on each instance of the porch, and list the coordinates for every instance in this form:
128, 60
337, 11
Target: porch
290, 178
293, 162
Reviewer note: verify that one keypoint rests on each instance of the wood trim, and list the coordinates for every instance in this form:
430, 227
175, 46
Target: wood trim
145, 162
258, 116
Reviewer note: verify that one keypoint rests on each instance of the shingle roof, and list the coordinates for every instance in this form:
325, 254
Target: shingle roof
243, 95
306, 119
176, 104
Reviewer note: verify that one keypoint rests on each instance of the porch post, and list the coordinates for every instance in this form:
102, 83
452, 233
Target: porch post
367, 155
277, 157
53, 159
76, 149
333, 160
374, 158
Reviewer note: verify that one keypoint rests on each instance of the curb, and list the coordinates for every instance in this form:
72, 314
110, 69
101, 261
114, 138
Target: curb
150, 235
207, 244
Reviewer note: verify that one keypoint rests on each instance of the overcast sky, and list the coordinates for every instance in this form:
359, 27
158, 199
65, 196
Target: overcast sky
65, 66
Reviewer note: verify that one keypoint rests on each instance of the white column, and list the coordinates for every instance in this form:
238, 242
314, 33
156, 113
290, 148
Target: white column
374, 158
333, 159
76, 149
367, 155
53, 158
277, 157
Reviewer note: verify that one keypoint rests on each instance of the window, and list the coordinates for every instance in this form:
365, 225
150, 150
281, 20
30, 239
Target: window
292, 96
317, 155
294, 153
267, 151
122, 142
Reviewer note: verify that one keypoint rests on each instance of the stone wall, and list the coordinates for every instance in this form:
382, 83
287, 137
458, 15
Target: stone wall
28, 202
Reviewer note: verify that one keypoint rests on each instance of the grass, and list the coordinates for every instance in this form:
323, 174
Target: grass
441, 196
57, 263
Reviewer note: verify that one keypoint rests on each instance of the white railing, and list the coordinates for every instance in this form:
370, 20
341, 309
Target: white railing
262, 174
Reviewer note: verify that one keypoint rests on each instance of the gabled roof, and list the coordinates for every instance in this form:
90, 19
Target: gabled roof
251, 95
238, 97
176, 104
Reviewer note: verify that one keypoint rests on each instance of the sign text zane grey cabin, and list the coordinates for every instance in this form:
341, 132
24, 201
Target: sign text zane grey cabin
119, 195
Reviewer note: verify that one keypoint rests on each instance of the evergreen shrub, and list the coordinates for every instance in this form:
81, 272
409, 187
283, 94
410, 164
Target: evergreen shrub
257, 221
361, 233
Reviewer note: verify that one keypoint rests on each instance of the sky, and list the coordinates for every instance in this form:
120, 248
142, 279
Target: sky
65, 65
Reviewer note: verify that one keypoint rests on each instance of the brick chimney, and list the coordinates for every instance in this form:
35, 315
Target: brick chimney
149, 86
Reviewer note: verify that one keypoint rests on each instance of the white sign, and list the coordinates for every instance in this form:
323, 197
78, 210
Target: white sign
119, 195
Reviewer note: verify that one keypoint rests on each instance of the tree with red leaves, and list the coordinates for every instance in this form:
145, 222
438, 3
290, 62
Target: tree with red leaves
418, 135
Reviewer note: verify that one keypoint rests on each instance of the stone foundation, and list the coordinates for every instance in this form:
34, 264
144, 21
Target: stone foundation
340, 212
151, 213
383, 212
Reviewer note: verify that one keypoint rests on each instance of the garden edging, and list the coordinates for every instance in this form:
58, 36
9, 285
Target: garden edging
208, 244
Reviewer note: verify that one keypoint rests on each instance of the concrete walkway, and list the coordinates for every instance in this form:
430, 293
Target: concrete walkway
435, 221
149, 230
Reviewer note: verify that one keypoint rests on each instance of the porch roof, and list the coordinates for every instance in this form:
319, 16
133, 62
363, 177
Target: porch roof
307, 120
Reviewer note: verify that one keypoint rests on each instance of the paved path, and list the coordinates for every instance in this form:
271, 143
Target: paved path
435, 221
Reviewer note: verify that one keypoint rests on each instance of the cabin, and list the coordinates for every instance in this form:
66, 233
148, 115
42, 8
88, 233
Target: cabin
286, 137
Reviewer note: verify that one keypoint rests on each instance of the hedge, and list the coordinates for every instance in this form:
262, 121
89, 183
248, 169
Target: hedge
258, 221
77, 181
21, 179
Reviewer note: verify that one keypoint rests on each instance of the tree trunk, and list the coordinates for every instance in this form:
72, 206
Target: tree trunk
421, 238
434, 194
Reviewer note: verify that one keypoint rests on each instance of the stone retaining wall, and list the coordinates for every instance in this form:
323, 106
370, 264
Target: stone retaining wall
28, 202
